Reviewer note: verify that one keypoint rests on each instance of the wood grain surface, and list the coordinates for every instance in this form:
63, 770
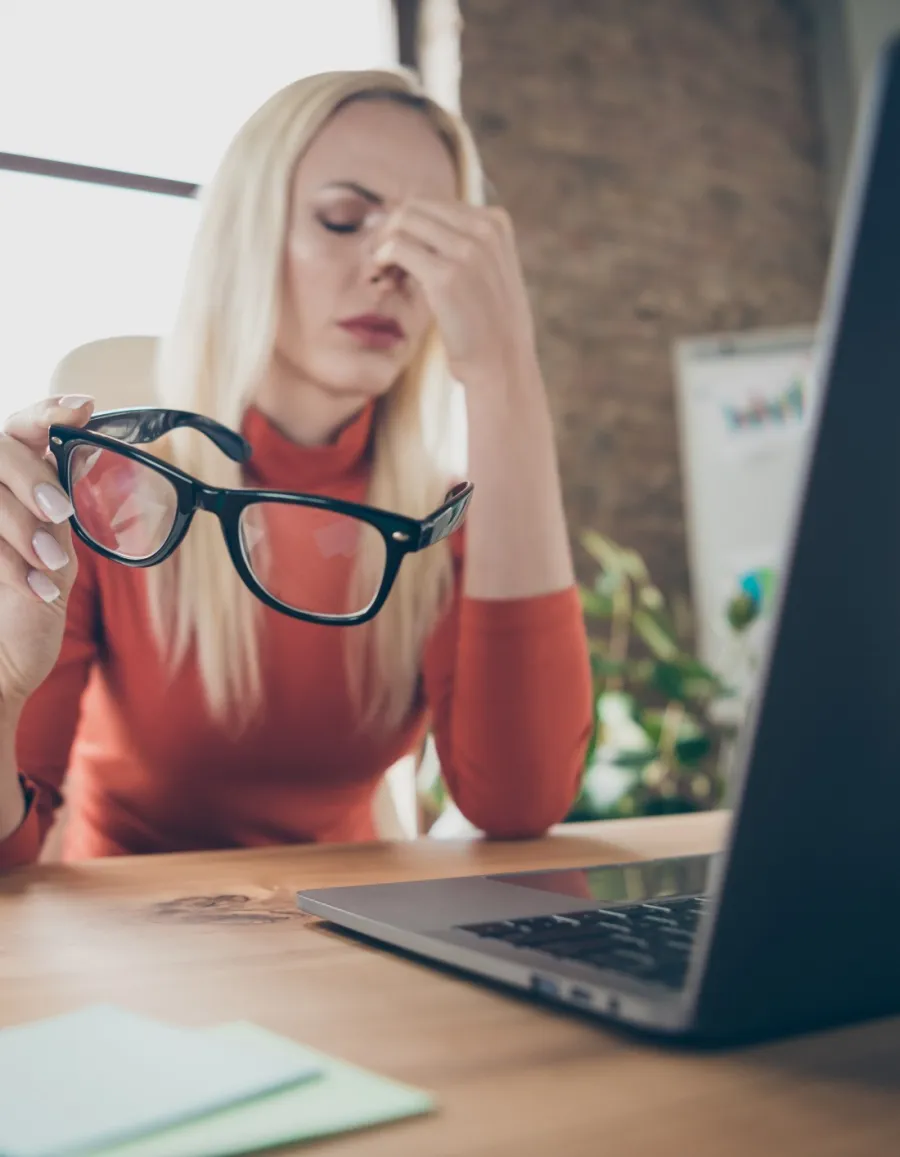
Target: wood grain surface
210, 937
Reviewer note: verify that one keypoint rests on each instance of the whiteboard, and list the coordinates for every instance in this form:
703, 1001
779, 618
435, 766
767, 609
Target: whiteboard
744, 405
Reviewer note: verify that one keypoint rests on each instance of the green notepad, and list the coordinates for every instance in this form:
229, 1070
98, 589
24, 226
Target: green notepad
72, 1084
342, 1098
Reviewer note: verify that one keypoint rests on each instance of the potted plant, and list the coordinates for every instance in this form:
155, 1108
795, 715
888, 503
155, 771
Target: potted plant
654, 748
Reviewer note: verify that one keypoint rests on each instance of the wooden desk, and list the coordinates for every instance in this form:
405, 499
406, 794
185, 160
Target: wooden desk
216, 936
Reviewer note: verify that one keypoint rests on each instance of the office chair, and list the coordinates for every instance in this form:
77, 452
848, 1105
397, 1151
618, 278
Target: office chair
120, 371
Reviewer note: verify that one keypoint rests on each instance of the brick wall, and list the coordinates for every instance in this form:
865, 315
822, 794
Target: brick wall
661, 159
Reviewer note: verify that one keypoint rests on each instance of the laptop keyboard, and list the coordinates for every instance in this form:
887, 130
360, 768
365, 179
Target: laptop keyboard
649, 941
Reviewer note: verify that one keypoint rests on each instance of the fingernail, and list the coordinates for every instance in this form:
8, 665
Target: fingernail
74, 401
45, 588
53, 502
48, 550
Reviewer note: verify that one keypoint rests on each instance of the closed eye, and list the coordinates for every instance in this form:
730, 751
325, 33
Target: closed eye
340, 226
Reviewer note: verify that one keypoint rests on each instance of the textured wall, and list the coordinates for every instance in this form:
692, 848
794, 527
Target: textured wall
661, 159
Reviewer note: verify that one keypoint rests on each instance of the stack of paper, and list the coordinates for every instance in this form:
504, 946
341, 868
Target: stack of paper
108, 1082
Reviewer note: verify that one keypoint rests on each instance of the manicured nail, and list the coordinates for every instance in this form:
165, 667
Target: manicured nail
74, 401
45, 588
48, 550
54, 503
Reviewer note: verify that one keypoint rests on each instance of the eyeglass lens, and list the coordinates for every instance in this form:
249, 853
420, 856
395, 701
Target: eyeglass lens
307, 558
122, 505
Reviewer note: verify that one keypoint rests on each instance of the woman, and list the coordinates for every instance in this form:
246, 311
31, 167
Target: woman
343, 262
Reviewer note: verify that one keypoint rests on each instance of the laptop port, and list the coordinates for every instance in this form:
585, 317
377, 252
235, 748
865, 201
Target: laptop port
580, 996
544, 987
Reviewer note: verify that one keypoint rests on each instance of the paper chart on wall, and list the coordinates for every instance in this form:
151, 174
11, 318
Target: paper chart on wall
745, 408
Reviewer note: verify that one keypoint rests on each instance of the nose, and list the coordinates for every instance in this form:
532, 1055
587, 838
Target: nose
390, 275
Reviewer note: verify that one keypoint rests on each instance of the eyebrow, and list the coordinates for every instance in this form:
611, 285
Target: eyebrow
360, 190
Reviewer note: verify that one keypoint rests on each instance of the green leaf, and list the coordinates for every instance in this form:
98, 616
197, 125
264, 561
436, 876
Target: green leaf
603, 551
635, 567
652, 725
701, 690
434, 794
692, 742
604, 668
692, 750
592, 744
624, 808
694, 668
669, 681
640, 671
596, 606
608, 583
637, 760
651, 598
657, 638
687, 681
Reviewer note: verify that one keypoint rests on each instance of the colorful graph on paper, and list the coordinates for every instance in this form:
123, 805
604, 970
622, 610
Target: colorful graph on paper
759, 585
784, 408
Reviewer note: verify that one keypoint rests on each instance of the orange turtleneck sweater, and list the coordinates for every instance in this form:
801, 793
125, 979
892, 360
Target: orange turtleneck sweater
506, 690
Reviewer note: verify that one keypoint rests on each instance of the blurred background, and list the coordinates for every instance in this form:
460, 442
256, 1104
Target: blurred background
674, 169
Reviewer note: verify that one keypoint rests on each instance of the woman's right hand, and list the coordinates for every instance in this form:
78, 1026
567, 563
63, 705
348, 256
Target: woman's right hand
37, 561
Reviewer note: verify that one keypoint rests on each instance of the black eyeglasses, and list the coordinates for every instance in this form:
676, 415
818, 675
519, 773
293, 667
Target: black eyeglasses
135, 509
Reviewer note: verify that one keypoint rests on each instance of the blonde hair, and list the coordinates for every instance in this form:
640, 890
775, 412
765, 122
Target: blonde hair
220, 347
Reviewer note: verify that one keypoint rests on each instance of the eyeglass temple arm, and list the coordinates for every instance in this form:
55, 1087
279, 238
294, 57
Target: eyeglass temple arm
143, 424
448, 516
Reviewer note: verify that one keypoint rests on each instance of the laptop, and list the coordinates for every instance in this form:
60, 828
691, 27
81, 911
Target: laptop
790, 928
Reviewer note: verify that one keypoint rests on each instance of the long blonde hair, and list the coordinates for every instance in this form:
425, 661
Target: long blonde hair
220, 347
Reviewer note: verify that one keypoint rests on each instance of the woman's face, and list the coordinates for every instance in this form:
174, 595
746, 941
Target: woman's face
346, 326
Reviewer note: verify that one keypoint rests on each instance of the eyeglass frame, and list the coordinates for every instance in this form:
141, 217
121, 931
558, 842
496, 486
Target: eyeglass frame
402, 534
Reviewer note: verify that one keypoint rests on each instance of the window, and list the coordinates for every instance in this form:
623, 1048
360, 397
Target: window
161, 87
149, 89
81, 262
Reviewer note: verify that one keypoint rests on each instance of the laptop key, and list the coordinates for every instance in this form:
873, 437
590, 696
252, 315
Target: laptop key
538, 924
629, 940
614, 915
679, 936
638, 964
632, 959
652, 921
499, 928
574, 949
595, 916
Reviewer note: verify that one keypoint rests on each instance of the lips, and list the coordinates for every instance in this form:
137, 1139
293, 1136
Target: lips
374, 329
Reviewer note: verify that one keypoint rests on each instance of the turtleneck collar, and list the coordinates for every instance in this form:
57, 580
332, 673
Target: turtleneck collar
280, 464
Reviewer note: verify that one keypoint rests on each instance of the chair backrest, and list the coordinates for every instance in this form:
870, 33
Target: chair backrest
117, 371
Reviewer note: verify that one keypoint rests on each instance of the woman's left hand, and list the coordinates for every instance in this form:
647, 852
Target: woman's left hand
465, 260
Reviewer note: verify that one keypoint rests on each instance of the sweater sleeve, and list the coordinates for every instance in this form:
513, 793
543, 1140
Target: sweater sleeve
508, 684
48, 722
